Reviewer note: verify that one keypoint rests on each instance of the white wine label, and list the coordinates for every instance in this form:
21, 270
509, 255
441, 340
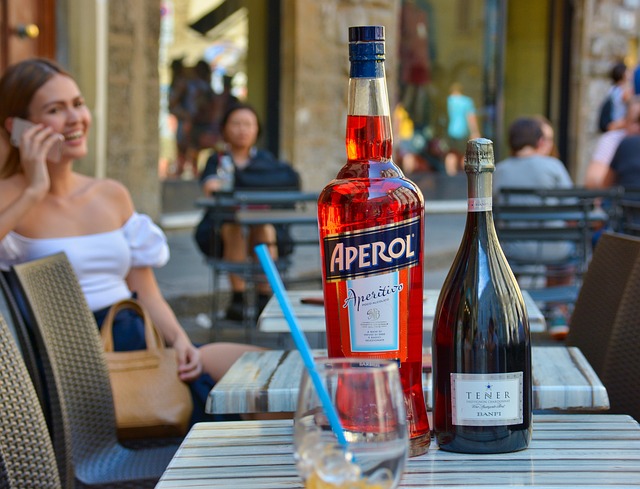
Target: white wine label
480, 204
374, 304
487, 399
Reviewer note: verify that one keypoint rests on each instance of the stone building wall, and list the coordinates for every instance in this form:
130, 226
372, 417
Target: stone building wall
606, 31
315, 74
133, 107
126, 35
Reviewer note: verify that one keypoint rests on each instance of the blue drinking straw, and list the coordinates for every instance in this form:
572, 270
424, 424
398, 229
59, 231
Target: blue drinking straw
300, 340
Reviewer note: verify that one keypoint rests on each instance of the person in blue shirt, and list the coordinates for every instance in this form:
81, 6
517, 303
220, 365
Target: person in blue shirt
463, 125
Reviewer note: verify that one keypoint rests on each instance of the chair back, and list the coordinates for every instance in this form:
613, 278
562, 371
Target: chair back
555, 228
629, 212
78, 380
621, 369
28, 459
13, 317
598, 301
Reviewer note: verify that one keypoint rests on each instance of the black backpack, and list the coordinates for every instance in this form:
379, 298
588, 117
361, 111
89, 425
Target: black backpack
605, 117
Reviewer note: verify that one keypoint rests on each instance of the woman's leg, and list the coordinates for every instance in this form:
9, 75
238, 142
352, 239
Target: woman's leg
264, 233
235, 250
217, 358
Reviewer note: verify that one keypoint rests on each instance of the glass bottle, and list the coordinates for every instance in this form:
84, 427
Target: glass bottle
370, 219
481, 342
226, 173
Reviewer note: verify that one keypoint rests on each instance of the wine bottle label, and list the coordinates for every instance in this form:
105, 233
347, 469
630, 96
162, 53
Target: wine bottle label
371, 270
487, 399
479, 204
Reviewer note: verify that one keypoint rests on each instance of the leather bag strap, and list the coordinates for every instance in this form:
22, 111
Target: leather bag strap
152, 336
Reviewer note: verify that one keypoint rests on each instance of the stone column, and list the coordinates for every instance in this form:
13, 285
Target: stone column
315, 73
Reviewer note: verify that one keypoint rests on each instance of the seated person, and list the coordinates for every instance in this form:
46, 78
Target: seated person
531, 166
243, 166
46, 207
608, 144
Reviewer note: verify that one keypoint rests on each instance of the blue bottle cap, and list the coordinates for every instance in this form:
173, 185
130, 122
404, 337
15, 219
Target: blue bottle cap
366, 33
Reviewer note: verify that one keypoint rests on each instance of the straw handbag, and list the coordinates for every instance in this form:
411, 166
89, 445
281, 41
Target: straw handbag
150, 400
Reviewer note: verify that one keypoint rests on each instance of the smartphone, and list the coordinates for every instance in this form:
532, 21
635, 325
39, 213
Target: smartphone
21, 125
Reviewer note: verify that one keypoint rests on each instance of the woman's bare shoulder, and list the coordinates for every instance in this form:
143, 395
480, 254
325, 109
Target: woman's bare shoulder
114, 194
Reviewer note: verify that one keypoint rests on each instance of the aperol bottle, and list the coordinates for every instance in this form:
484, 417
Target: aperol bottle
370, 219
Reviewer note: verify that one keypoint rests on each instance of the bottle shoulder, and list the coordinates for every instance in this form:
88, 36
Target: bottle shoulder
357, 181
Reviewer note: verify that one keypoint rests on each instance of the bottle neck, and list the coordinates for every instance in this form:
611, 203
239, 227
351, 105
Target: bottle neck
479, 192
369, 134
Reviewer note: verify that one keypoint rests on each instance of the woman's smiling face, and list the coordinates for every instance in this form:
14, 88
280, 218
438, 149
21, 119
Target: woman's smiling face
60, 105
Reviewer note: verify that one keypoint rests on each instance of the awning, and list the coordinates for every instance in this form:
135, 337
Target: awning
219, 14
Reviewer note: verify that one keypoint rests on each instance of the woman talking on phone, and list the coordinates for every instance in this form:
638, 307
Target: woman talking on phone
46, 207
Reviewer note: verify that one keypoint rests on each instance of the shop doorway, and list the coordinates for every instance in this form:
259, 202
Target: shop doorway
509, 58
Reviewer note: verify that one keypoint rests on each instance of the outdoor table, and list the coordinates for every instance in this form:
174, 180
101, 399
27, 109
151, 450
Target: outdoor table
567, 450
311, 316
267, 382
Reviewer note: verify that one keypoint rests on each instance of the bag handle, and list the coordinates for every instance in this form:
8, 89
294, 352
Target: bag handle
152, 336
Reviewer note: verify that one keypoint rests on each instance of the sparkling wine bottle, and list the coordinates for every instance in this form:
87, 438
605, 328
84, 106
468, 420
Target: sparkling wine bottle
481, 341
370, 219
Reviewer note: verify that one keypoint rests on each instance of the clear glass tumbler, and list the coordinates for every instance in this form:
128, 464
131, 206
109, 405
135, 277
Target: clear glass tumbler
367, 395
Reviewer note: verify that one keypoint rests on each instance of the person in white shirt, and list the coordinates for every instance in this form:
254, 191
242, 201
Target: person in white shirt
46, 207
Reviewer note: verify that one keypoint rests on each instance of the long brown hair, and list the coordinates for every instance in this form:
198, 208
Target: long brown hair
18, 85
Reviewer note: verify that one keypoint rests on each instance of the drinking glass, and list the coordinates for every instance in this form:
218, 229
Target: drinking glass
367, 395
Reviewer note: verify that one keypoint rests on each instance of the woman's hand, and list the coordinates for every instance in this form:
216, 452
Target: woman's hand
35, 144
211, 185
189, 361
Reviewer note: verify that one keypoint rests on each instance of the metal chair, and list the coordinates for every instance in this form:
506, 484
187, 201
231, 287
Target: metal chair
78, 384
629, 212
26, 452
544, 217
226, 208
600, 296
621, 366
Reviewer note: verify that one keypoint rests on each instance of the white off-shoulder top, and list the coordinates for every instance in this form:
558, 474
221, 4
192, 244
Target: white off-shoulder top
102, 261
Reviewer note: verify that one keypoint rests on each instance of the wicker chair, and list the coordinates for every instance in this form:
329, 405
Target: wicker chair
600, 295
28, 459
4, 476
13, 317
622, 362
78, 381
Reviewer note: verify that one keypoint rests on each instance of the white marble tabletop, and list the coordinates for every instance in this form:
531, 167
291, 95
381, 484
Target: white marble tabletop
311, 316
267, 381
569, 451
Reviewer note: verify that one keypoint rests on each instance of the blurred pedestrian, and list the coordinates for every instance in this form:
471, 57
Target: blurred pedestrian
463, 125
179, 109
614, 106
200, 101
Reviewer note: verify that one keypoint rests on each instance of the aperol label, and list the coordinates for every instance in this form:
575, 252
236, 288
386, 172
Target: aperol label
370, 269
372, 251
